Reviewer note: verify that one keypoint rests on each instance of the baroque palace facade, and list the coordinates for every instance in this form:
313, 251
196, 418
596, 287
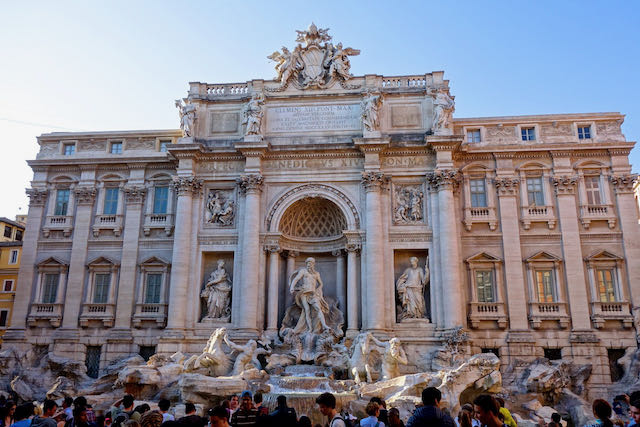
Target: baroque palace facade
520, 229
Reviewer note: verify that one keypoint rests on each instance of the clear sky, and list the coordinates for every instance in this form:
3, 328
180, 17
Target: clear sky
118, 65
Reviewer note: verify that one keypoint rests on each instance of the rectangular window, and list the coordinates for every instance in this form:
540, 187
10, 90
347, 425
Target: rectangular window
584, 132
13, 258
164, 145
8, 286
484, 284
152, 292
101, 288
473, 135
160, 200
592, 185
93, 360
111, 201
478, 193
545, 286
116, 148
534, 191
4, 318
606, 285
69, 149
7, 231
50, 290
62, 202
528, 134
18, 235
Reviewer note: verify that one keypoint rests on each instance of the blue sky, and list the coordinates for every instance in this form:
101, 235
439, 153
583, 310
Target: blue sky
120, 64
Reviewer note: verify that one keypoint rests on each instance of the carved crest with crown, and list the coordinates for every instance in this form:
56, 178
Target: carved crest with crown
318, 64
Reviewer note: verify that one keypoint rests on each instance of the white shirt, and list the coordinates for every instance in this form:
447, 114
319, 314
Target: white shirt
167, 417
337, 421
371, 421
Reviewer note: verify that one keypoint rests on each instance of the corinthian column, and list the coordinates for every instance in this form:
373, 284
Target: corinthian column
445, 182
352, 288
272, 292
341, 289
251, 186
185, 187
374, 275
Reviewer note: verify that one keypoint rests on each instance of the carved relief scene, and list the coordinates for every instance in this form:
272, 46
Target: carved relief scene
220, 208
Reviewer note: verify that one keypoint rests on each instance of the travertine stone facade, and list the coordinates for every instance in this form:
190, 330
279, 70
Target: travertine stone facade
525, 227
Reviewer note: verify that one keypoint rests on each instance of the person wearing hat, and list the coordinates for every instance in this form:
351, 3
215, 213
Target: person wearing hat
246, 415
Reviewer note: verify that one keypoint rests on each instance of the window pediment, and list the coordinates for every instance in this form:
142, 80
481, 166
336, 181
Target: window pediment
543, 256
602, 255
483, 257
102, 261
52, 262
154, 261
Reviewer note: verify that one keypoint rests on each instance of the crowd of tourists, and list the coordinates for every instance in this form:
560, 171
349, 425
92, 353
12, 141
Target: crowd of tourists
248, 410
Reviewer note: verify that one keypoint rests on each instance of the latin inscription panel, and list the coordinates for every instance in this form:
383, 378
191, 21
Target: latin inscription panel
314, 118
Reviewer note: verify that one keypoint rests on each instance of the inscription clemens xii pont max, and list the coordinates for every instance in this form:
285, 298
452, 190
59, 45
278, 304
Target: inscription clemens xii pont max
309, 118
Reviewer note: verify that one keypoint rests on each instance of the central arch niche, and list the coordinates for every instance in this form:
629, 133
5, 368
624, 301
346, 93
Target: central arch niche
313, 218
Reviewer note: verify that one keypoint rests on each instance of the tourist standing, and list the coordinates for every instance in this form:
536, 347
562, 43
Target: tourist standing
22, 414
124, 407
246, 415
383, 416
218, 417
467, 412
49, 408
508, 419
234, 403
283, 416
80, 418
191, 418
634, 412
327, 406
555, 420
151, 419
394, 418
164, 405
602, 411
487, 409
7, 413
373, 410
430, 414
68, 410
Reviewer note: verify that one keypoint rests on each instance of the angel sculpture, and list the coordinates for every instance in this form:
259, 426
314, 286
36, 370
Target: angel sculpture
339, 61
288, 63
187, 114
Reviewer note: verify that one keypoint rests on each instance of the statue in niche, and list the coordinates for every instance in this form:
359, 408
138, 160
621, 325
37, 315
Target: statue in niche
247, 356
217, 294
408, 205
220, 209
370, 105
410, 287
306, 287
187, 112
252, 114
392, 355
443, 107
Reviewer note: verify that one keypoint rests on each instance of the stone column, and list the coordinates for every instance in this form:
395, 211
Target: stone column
374, 275
272, 291
341, 284
291, 264
134, 197
565, 188
251, 185
26, 274
626, 204
185, 186
352, 289
446, 181
84, 197
435, 281
516, 295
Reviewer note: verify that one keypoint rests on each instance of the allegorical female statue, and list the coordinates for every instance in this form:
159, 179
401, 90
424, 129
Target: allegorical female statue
217, 294
410, 287
370, 105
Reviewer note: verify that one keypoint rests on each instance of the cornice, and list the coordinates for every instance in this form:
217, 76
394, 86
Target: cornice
311, 155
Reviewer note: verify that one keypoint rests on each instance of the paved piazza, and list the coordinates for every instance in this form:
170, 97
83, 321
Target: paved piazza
521, 229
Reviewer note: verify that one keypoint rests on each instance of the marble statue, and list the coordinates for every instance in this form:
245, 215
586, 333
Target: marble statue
220, 209
217, 294
213, 357
443, 107
370, 105
306, 287
288, 64
392, 355
252, 114
408, 205
247, 356
187, 112
359, 366
338, 61
410, 287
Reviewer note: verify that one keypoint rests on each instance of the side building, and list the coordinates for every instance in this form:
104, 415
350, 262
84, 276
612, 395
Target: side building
10, 254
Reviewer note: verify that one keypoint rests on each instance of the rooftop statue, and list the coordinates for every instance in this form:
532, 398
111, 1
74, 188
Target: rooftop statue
187, 112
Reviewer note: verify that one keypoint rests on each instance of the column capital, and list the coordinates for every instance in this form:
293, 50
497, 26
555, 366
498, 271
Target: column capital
37, 196
134, 194
336, 253
186, 184
353, 246
374, 181
444, 179
565, 184
623, 183
84, 195
250, 183
272, 247
507, 186
293, 254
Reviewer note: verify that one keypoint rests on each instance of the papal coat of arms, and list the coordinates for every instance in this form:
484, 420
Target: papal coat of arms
316, 65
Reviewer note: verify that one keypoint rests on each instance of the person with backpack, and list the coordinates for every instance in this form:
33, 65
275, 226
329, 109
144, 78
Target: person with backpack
49, 409
430, 414
327, 406
373, 410
123, 408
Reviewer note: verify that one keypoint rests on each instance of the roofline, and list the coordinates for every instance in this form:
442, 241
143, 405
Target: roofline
115, 133
544, 117
9, 221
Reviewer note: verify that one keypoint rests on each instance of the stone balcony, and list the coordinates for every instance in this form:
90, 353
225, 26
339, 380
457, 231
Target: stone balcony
62, 223
51, 313
480, 215
487, 311
617, 311
104, 313
108, 222
152, 313
531, 214
158, 221
553, 311
589, 213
